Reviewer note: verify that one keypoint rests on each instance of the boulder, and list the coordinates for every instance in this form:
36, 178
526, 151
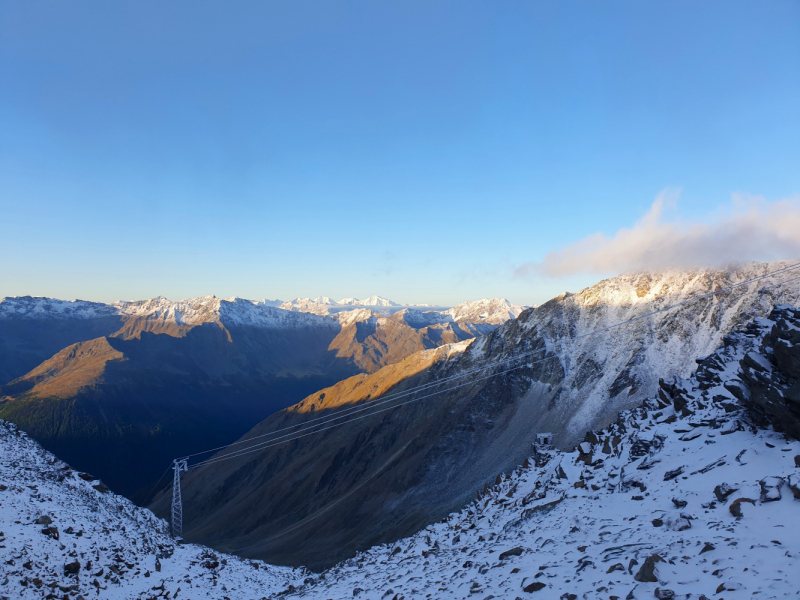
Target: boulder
44, 520
513, 552
673, 474
681, 524
534, 587
72, 568
794, 484
648, 571
771, 488
723, 490
664, 594
736, 506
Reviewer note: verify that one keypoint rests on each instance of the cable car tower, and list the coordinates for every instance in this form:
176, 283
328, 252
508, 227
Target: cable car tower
179, 465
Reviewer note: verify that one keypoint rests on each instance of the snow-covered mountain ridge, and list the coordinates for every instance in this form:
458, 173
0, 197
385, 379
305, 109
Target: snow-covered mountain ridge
682, 497
303, 312
603, 374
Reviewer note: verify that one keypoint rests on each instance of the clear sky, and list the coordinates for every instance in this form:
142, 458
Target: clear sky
424, 151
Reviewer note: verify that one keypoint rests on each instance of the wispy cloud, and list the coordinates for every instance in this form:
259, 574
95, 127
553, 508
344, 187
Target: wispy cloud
749, 229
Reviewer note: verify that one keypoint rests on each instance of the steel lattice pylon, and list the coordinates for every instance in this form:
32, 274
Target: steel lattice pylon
178, 466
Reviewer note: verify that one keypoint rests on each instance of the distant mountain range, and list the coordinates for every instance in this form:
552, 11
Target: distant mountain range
319, 499
492, 309
120, 389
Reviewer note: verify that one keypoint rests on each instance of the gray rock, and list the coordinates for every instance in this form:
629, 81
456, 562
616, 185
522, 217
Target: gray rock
72, 568
513, 552
648, 570
44, 520
681, 524
771, 488
723, 490
664, 594
736, 506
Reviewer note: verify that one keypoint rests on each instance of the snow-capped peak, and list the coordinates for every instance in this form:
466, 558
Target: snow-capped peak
378, 301
488, 310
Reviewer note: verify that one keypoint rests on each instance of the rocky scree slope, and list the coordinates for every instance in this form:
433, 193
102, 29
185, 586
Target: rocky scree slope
682, 497
381, 478
64, 535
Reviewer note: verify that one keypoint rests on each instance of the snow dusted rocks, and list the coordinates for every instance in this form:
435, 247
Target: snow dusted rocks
634, 512
62, 538
770, 380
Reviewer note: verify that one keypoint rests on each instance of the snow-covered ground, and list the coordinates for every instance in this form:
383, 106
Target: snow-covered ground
682, 497
62, 536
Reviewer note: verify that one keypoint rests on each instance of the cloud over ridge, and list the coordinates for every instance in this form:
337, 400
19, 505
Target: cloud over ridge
751, 228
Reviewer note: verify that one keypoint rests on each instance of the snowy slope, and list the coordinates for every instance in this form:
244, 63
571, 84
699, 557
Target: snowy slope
698, 493
117, 549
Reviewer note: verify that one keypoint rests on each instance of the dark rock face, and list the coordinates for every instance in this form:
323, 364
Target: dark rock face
770, 380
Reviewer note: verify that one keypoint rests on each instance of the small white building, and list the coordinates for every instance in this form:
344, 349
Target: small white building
544, 439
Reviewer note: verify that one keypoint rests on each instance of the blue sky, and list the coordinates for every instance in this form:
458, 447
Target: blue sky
423, 151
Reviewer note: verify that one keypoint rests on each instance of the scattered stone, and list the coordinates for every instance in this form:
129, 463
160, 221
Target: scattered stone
44, 520
657, 522
616, 567
723, 490
673, 474
771, 488
72, 568
534, 587
682, 524
568, 597
647, 572
101, 487
664, 594
679, 503
736, 506
794, 484
86, 476
633, 562
796, 463
357, 591
51, 532
707, 548
513, 552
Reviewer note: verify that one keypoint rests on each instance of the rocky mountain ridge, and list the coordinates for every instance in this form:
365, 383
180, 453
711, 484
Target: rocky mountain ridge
400, 470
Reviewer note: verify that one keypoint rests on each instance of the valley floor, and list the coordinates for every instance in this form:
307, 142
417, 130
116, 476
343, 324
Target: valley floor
666, 503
